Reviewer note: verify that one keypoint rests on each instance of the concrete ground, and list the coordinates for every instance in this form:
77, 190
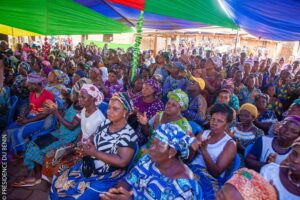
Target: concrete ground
37, 192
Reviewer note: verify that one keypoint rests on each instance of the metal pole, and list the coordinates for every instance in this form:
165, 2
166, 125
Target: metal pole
236, 40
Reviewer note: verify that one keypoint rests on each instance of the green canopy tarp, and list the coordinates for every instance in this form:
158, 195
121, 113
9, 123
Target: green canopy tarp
207, 12
56, 17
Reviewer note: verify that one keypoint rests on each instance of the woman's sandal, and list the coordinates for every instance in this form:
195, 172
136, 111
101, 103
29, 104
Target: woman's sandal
27, 182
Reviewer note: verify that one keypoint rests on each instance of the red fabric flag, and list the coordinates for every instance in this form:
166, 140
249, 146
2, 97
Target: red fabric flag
137, 4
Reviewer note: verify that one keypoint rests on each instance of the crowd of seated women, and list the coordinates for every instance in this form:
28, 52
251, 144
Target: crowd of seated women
84, 125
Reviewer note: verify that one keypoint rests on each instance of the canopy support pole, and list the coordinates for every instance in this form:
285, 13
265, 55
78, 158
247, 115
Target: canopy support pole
136, 47
236, 40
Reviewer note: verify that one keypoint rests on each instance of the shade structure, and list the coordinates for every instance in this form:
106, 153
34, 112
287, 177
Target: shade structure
164, 14
56, 17
269, 19
204, 11
8, 30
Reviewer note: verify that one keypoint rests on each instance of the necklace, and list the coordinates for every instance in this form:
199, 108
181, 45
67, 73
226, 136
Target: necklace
291, 180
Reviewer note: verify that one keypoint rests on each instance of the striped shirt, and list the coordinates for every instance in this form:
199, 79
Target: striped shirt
108, 142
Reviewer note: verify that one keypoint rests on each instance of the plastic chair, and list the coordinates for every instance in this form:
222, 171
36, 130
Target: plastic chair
248, 149
132, 162
11, 113
103, 107
235, 167
196, 128
46, 131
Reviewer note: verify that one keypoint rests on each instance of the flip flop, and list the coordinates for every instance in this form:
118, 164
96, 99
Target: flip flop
19, 180
25, 183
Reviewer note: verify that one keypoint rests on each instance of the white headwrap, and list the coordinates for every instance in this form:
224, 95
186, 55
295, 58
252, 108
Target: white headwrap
249, 61
94, 92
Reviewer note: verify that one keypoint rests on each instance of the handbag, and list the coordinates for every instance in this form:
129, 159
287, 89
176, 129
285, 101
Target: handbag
88, 166
45, 140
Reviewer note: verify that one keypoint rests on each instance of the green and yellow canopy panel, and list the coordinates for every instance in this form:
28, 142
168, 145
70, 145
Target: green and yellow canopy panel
8, 30
56, 17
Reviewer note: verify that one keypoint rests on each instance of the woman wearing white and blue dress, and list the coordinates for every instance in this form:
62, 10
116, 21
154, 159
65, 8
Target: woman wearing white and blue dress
106, 157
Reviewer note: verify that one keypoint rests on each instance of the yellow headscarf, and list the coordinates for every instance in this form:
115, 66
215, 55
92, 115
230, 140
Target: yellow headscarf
200, 81
251, 109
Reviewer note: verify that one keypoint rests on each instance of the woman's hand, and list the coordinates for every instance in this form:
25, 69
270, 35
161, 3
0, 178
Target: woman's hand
271, 158
50, 106
21, 121
117, 194
89, 148
276, 128
64, 92
142, 118
203, 144
79, 149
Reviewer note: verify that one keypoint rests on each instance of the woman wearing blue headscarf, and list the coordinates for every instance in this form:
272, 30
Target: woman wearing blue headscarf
108, 153
161, 174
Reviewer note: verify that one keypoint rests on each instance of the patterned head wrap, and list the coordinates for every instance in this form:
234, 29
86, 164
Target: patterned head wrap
46, 63
251, 185
47, 70
180, 97
61, 76
36, 78
96, 70
166, 55
25, 66
179, 65
175, 137
297, 101
293, 118
94, 92
250, 108
200, 82
155, 85
228, 84
77, 86
81, 73
249, 62
124, 99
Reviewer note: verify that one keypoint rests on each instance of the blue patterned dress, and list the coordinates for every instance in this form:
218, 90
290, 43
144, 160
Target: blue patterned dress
72, 184
148, 183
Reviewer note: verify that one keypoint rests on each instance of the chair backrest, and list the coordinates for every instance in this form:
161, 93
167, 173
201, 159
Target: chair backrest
132, 162
45, 130
103, 107
196, 128
235, 167
248, 149
12, 109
